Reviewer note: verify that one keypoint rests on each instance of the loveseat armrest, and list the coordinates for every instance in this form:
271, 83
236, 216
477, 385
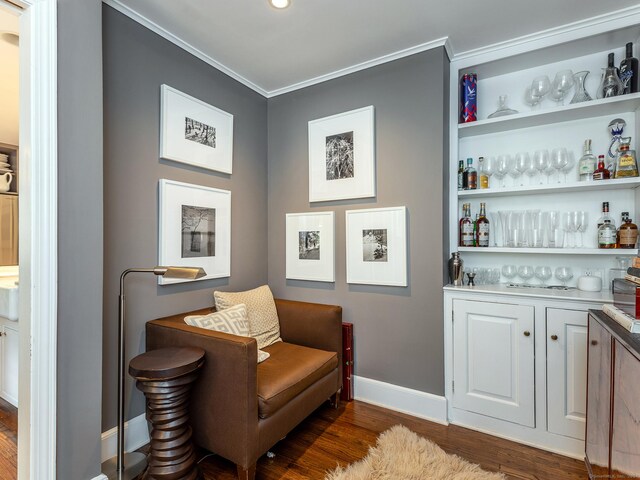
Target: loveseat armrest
224, 400
312, 325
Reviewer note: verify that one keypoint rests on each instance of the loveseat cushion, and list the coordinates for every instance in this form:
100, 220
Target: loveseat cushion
290, 370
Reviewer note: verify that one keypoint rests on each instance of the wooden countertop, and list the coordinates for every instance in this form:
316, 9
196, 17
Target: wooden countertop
630, 340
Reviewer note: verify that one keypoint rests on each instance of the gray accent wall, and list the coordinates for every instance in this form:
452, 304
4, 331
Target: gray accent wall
136, 63
79, 368
398, 331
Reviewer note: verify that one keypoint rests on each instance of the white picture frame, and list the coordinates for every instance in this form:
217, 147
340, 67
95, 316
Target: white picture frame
342, 156
194, 132
377, 246
194, 229
310, 246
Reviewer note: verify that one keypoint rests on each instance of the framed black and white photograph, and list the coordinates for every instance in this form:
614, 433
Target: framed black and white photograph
194, 229
342, 156
310, 246
377, 246
195, 132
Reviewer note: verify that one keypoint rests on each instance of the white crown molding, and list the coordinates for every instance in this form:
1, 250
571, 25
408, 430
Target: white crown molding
440, 42
570, 31
164, 33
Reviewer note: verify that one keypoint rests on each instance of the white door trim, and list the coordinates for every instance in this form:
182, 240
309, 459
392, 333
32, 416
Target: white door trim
38, 240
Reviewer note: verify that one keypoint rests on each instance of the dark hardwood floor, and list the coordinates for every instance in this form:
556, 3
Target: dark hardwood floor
330, 437
8, 441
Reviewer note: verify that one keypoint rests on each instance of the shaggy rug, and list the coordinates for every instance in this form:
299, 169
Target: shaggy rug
400, 454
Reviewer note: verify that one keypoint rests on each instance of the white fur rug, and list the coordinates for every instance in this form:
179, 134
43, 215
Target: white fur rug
400, 454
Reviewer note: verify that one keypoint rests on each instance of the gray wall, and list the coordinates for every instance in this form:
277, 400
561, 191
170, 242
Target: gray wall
398, 331
136, 63
79, 239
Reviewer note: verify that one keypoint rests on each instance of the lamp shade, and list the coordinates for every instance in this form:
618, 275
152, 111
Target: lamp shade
192, 273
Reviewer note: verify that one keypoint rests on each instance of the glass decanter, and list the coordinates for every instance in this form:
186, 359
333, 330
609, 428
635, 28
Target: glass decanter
581, 94
626, 165
502, 108
610, 85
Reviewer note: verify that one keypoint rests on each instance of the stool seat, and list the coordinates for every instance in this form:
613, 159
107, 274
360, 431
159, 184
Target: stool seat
166, 363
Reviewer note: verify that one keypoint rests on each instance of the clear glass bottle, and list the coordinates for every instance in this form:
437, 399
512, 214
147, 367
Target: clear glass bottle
484, 178
470, 176
466, 227
587, 163
601, 173
605, 215
607, 235
626, 164
460, 174
610, 85
628, 234
482, 230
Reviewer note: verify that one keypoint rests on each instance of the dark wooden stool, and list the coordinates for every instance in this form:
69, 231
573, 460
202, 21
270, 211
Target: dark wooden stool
165, 377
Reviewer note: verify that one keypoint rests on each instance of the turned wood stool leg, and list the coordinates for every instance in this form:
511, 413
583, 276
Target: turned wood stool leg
171, 454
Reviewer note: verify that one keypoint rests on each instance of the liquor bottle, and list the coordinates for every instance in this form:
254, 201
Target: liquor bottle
623, 219
587, 163
475, 231
466, 227
629, 71
470, 176
610, 85
460, 174
601, 173
484, 178
626, 165
628, 234
482, 229
607, 233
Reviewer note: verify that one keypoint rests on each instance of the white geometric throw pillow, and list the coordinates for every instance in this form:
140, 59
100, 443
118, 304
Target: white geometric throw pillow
232, 320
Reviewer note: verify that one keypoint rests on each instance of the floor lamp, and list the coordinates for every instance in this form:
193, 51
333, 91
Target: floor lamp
131, 465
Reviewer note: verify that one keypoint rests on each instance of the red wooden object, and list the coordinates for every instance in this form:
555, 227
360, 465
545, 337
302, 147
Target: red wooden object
347, 362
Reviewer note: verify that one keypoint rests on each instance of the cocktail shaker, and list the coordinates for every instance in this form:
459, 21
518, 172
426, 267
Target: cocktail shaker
455, 269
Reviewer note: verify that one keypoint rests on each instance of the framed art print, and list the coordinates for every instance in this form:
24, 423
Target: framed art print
342, 156
194, 229
194, 132
377, 246
310, 246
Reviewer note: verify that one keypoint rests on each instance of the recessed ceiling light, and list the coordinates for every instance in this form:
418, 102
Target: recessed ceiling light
279, 3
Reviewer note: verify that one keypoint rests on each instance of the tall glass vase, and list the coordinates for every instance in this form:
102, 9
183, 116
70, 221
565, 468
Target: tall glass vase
581, 94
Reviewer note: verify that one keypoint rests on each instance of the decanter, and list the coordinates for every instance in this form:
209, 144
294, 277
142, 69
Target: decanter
502, 108
626, 165
610, 86
581, 94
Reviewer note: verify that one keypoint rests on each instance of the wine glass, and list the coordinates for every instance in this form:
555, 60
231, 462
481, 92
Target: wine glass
495, 275
582, 221
488, 168
564, 274
543, 274
502, 168
513, 170
562, 83
571, 161
540, 86
509, 272
530, 98
559, 159
541, 162
526, 272
523, 164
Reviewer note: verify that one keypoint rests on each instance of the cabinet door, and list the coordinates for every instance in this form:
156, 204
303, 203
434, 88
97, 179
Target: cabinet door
598, 397
9, 367
566, 372
493, 360
625, 440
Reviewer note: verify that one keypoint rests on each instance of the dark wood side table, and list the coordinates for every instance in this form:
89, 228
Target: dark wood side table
165, 376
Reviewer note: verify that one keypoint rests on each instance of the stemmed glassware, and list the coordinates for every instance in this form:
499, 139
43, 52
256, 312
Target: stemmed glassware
502, 168
509, 272
541, 162
488, 168
582, 221
571, 161
555, 235
543, 274
559, 159
523, 164
562, 83
569, 227
526, 272
564, 274
513, 170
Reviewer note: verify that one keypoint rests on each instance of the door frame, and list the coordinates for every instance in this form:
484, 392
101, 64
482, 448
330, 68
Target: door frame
38, 241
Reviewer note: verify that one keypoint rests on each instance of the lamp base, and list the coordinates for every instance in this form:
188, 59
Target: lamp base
134, 464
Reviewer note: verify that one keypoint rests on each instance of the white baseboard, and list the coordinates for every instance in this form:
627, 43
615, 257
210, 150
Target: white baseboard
401, 399
102, 476
136, 434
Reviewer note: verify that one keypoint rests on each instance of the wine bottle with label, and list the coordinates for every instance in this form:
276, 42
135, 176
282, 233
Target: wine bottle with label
629, 71
482, 228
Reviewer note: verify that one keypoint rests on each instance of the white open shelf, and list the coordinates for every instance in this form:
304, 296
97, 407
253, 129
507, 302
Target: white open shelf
534, 118
616, 184
552, 251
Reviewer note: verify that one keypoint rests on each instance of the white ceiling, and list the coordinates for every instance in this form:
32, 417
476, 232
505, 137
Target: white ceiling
275, 49
9, 81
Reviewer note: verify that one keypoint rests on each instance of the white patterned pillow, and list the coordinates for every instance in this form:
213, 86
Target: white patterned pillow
233, 320
261, 309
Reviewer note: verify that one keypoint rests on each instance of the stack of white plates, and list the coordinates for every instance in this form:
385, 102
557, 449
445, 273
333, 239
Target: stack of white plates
5, 166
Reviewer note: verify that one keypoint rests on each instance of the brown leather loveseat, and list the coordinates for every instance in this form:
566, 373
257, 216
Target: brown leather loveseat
239, 408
